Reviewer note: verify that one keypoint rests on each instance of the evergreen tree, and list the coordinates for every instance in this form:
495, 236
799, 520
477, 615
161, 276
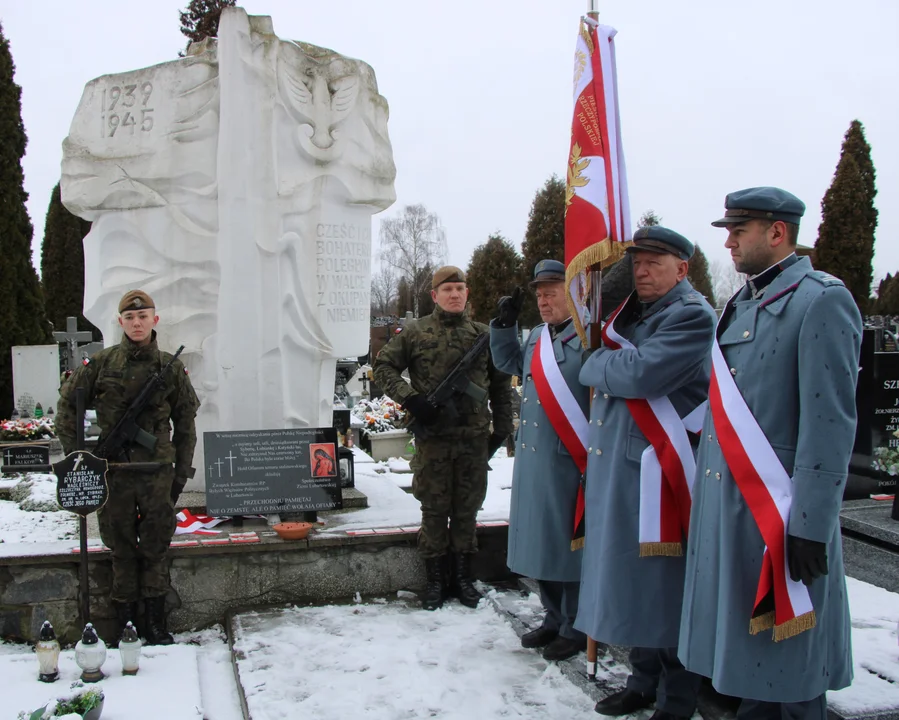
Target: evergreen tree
544, 239
494, 270
62, 266
700, 277
888, 296
201, 19
845, 244
648, 219
22, 320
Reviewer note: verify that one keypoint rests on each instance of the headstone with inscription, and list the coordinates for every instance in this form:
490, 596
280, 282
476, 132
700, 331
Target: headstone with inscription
875, 458
272, 471
81, 482
236, 185
24, 455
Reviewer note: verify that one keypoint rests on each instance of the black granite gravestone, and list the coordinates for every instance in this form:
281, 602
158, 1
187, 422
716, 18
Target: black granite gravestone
876, 447
271, 471
18, 455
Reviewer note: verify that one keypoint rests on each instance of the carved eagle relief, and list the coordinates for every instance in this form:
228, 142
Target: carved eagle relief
319, 97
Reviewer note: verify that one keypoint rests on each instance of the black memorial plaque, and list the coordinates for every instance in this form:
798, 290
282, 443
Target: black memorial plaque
251, 472
876, 444
14, 455
81, 482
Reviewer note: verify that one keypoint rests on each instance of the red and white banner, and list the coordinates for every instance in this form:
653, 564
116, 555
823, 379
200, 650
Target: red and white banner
564, 414
768, 491
667, 466
597, 215
188, 523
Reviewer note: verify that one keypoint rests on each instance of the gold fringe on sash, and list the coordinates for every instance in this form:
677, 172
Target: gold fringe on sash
761, 623
604, 254
661, 549
577, 544
793, 627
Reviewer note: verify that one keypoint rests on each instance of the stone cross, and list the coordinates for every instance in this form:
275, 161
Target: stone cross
71, 337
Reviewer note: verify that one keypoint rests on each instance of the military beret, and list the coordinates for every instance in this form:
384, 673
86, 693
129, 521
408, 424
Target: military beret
135, 300
448, 273
765, 203
548, 271
656, 238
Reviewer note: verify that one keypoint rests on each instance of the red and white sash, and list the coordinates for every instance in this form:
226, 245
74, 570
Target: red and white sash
667, 466
768, 491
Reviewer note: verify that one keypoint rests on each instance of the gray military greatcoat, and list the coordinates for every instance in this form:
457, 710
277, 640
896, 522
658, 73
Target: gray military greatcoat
793, 354
545, 479
627, 599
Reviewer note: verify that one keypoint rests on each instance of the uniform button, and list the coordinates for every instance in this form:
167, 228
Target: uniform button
598, 451
745, 333
536, 424
538, 401
525, 399
605, 396
599, 422
717, 476
589, 449
710, 436
523, 446
708, 472
594, 396
525, 422
733, 371
533, 448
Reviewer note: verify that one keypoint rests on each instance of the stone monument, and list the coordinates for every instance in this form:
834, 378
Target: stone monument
236, 186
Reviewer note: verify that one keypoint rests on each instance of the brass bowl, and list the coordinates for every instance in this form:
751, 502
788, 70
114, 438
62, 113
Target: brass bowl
292, 530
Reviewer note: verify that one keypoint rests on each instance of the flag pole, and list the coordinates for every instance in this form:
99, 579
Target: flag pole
594, 342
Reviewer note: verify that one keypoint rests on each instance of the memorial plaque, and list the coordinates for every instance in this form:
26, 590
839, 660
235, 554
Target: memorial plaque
81, 482
31, 454
876, 447
252, 472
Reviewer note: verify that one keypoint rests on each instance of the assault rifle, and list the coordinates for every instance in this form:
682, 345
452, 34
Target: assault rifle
455, 383
126, 431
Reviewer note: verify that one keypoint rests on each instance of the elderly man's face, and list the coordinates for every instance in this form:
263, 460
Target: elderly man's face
552, 302
655, 274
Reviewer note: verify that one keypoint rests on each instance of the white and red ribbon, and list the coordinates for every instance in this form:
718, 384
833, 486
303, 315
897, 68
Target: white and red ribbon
768, 491
667, 466
188, 523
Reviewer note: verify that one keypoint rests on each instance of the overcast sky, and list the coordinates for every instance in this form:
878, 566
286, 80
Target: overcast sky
715, 96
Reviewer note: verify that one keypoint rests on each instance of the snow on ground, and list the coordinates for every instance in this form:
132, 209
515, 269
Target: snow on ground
19, 526
387, 661
218, 686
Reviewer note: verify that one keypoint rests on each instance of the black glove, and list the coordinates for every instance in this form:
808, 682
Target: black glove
508, 308
421, 409
807, 559
494, 443
585, 355
177, 488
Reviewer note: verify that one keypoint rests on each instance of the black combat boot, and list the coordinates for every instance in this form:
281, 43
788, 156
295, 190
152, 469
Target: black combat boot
462, 583
125, 612
435, 590
154, 627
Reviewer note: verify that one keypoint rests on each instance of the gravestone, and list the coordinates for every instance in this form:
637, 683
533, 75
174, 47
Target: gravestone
35, 373
877, 403
272, 471
81, 483
236, 185
19, 455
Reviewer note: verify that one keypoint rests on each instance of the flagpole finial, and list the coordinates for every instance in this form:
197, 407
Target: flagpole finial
593, 12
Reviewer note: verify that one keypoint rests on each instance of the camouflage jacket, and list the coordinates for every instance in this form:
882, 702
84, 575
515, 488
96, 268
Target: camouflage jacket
428, 348
112, 378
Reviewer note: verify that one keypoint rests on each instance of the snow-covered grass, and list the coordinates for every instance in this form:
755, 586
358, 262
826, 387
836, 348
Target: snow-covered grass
35, 528
388, 661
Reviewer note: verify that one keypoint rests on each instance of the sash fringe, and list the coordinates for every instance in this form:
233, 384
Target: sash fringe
577, 544
761, 623
793, 627
661, 549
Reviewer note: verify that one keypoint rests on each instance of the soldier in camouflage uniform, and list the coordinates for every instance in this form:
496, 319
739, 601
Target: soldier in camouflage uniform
450, 479
138, 520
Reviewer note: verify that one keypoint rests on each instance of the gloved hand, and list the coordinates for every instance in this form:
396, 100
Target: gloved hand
807, 559
585, 355
421, 409
494, 443
177, 488
508, 308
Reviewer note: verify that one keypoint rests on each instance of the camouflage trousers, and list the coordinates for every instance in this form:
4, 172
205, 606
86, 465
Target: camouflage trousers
450, 482
137, 524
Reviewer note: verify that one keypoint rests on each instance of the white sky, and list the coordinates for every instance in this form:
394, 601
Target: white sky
715, 97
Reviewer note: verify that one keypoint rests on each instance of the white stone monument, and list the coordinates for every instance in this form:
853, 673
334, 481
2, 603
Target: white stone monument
236, 186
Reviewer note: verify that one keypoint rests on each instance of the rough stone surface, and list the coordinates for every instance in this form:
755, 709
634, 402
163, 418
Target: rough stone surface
871, 564
37, 585
237, 184
870, 519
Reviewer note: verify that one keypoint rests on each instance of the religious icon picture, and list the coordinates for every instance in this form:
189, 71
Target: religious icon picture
322, 459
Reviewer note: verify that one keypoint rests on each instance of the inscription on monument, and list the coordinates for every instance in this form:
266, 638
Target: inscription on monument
271, 471
81, 482
343, 268
14, 455
126, 106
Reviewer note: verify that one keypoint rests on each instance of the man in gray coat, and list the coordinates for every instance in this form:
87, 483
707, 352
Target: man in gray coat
765, 610
649, 377
546, 477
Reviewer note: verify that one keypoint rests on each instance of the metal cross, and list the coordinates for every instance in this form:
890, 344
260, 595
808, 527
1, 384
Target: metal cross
71, 337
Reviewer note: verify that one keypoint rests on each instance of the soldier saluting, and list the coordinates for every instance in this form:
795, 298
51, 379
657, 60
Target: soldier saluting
451, 454
138, 520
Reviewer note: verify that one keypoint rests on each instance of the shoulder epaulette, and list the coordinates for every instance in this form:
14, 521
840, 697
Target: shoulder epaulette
692, 298
826, 279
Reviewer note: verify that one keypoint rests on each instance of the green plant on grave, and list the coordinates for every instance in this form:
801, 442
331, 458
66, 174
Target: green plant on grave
886, 459
80, 703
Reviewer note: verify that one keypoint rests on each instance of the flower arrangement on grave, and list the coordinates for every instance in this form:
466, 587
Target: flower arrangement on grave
886, 459
80, 703
31, 429
379, 415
